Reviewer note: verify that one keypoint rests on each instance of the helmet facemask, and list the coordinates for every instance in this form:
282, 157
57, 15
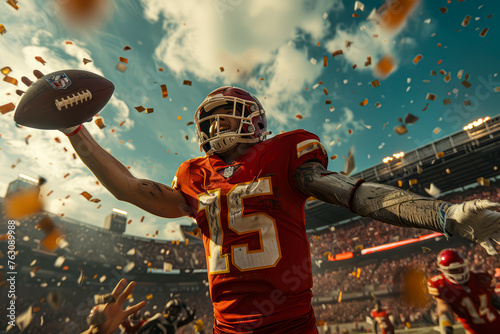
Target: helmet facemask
456, 272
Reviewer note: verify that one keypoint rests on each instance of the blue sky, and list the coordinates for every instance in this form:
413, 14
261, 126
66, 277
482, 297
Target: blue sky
273, 40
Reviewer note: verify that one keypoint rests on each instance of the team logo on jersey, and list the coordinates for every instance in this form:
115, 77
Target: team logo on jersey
60, 81
228, 171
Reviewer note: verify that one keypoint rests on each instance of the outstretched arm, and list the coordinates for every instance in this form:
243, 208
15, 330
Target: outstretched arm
399, 207
151, 196
445, 314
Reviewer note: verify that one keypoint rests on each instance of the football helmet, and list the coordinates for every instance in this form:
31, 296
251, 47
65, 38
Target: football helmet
247, 110
173, 309
453, 266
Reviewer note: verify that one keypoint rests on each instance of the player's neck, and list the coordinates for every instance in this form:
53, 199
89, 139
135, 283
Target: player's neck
230, 156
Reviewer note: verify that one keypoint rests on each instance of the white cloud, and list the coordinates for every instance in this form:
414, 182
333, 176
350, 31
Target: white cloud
332, 131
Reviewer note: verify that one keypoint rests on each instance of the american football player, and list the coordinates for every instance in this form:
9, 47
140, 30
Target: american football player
168, 321
247, 195
382, 318
471, 296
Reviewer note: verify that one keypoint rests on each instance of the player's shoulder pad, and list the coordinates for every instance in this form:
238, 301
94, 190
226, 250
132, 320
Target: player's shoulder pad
434, 284
484, 279
301, 140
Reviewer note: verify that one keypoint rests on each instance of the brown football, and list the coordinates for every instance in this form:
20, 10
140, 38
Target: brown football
63, 99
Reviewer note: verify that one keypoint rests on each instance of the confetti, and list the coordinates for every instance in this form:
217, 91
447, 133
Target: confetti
442, 72
413, 182
6, 70
433, 190
394, 13
411, 119
333, 157
447, 78
221, 69
100, 123
385, 67
496, 89
123, 122
13, 3
483, 182
368, 61
443, 10
24, 203
40, 60
298, 116
142, 219
378, 105
164, 91
364, 102
467, 103
401, 129
433, 73
179, 118
86, 195
86, 61
448, 171
483, 32
10, 80
375, 83
123, 60
440, 155
337, 53
121, 67
189, 123
7, 108
426, 107
446, 101
313, 61
2, 29
140, 108
59, 261
127, 48
431, 97
325, 61
417, 59
466, 84
436, 130
359, 5
349, 164
325, 91
187, 82
328, 102
466, 21
161, 69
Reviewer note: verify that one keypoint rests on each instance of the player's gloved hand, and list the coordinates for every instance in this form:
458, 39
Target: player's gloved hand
475, 221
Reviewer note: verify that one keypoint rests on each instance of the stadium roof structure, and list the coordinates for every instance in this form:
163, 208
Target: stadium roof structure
449, 163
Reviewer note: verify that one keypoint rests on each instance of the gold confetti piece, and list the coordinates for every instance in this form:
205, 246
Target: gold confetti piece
121, 67
337, 53
123, 122
350, 131
325, 91
86, 61
375, 83
467, 103
368, 61
425, 250
378, 105
466, 76
150, 110
179, 118
483, 32
466, 21
24, 203
442, 72
86, 195
123, 60
431, 97
2, 29
161, 69
483, 182
466, 84
40, 60
440, 155
340, 297
426, 107
298, 116
413, 182
400, 183
100, 123
433, 73
333, 157
364, 102
13, 3
10, 80
140, 108
328, 102
150, 296
446, 101
417, 59
436, 130
355, 15
7, 108
187, 137
74, 156
447, 78
354, 66
69, 43
127, 48
142, 219
325, 61
6, 70
164, 91
65, 175
385, 67
189, 123
395, 12
401, 129
221, 69
95, 200
99, 206
443, 10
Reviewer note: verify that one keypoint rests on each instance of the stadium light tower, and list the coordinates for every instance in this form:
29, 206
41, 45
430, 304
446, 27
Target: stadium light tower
23, 182
116, 221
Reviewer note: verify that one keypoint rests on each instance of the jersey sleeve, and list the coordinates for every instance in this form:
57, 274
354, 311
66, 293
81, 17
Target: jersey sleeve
432, 286
181, 182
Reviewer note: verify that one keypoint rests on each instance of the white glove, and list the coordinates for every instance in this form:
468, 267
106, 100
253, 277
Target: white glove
474, 221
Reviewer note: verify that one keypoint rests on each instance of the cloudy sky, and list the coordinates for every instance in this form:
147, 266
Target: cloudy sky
275, 49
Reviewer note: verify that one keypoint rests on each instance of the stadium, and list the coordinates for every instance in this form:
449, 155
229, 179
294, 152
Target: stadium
354, 259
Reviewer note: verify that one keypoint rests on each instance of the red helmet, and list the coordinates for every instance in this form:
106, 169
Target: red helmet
453, 266
246, 109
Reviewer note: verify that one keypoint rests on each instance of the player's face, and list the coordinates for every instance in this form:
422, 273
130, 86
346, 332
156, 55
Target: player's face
227, 124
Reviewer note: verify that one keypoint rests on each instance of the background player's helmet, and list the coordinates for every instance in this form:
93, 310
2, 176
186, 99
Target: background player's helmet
246, 108
453, 266
135, 318
173, 309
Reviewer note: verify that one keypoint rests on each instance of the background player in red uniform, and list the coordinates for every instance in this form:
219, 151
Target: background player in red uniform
248, 195
471, 296
381, 317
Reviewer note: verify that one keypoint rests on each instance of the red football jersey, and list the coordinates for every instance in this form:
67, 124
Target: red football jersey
253, 227
470, 302
382, 318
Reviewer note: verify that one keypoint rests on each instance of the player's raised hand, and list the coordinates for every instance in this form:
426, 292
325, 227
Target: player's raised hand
475, 221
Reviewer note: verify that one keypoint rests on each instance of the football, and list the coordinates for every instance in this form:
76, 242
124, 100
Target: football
63, 99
